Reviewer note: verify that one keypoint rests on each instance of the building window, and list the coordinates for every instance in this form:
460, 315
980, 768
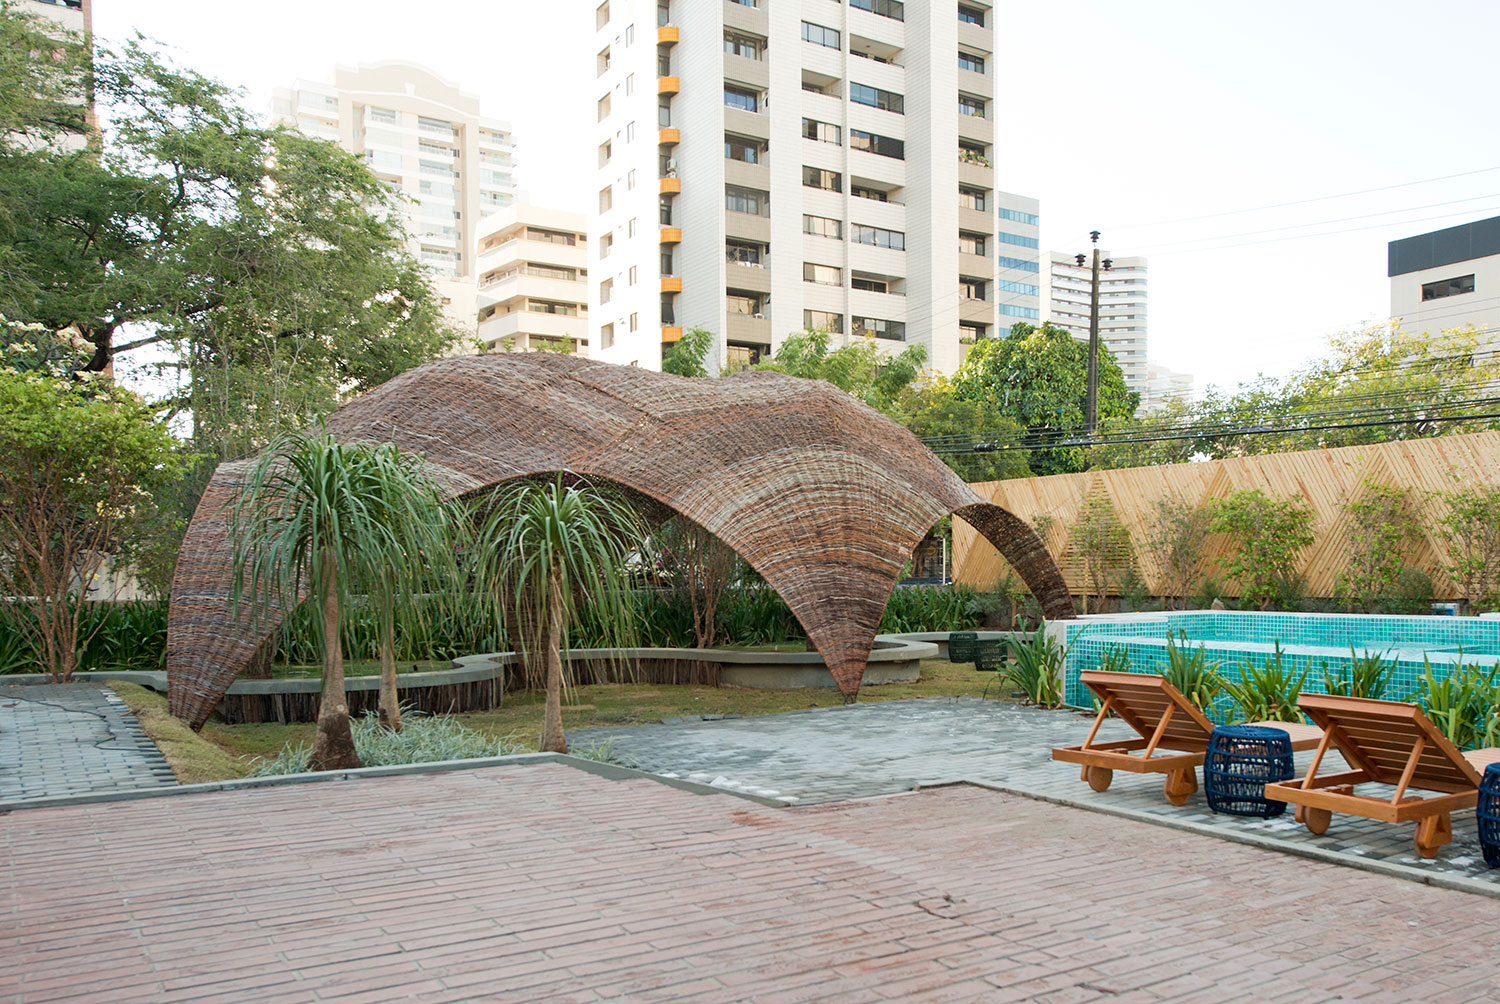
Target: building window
969, 331
634, 321
664, 113
551, 307
748, 46
816, 177
629, 84
970, 243
876, 327
606, 245
972, 198
823, 132
970, 15
869, 285
823, 275
819, 35
822, 320
878, 237
606, 291
747, 200
384, 115
601, 15
1017, 240
666, 263
892, 9
629, 34
606, 151
606, 198
1447, 287
630, 132
630, 179
742, 148
970, 105
1023, 264
607, 336
668, 315
972, 153
873, 194
743, 252
882, 146
742, 302
971, 62
1017, 216
1011, 310
746, 3
863, 94
738, 97
1024, 288
971, 289
551, 236
822, 226
663, 15
630, 230
603, 108
631, 280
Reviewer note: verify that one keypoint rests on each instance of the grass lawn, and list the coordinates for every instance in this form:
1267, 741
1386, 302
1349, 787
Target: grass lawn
225, 751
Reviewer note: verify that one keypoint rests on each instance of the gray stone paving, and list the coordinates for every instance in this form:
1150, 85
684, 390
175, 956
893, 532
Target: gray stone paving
73, 739
879, 748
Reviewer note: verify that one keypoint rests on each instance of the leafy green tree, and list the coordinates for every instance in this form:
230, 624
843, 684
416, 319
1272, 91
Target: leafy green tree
1175, 537
858, 368
549, 551
933, 411
322, 518
81, 462
1103, 543
275, 263
1380, 529
1470, 531
37, 105
688, 356
1269, 535
1038, 378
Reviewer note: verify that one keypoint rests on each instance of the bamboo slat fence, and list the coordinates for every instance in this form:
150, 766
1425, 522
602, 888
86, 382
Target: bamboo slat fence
1323, 479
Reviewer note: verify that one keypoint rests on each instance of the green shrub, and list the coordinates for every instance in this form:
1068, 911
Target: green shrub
1266, 693
1462, 704
1367, 676
116, 636
1037, 669
423, 739
1192, 674
1114, 659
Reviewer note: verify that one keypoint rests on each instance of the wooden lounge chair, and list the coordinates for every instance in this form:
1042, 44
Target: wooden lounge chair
1173, 739
1385, 742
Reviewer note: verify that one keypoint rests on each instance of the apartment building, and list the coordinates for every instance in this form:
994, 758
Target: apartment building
533, 280
76, 16
1448, 279
1122, 307
427, 140
1164, 385
769, 166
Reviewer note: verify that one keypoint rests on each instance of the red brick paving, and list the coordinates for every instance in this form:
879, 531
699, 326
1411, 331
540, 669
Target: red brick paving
548, 884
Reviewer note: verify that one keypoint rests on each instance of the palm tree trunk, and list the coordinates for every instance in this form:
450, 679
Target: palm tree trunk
390, 704
333, 748
552, 727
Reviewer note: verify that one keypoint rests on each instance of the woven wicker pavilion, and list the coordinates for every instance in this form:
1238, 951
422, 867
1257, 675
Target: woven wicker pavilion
823, 496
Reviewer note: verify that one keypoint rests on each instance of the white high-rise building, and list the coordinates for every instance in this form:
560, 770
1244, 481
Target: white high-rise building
427, 140
533, 280
769, 166
1122, 308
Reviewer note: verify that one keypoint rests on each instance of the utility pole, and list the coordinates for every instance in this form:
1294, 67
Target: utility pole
1091, 401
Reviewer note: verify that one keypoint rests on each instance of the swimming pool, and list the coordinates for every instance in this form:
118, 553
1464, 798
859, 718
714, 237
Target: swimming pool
1308, 641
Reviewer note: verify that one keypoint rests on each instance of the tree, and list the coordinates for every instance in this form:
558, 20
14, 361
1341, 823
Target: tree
858, 368
1103, 543
688, 355
320, 518
1269, 535
1470, 530
934, 412
1380, 529
548, 550
275, 263
1176, 536
1038, 378
81, 463
699, 568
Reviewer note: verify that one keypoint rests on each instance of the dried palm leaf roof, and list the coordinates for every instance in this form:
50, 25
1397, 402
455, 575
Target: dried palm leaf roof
825, 497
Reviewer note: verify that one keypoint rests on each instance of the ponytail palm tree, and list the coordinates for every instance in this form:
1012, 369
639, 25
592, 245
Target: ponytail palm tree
321, 518
548, 550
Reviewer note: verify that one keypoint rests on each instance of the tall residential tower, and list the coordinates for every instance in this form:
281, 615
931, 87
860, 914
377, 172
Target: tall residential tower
1122, 308
427, 140
768, 166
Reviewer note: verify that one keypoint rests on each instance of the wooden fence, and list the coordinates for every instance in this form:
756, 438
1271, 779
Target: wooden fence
1324, 479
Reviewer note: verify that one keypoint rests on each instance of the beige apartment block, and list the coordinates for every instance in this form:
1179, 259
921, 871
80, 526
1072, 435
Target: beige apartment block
1163, 385
533, 280
770, 166
427, 140
75, 16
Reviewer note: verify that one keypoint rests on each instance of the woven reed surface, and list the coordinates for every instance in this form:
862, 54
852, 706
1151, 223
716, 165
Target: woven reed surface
823, 496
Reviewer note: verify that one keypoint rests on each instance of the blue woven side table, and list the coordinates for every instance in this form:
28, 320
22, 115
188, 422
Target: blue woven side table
1488, 812
1240, 760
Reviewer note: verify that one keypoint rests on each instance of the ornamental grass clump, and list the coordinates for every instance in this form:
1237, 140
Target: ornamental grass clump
1193, 674
1463, 704
1368, 675
1037, 669
422, 739
1267, 693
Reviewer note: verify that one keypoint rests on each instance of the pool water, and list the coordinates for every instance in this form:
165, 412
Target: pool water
1308, 641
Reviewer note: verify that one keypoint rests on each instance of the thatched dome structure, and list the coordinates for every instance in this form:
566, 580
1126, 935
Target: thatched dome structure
823, 496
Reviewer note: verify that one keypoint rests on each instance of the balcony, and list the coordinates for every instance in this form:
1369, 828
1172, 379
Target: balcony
671, 284
671, 186
669, 137
668, 85
752, 328
671, 334
667, 34
671, 235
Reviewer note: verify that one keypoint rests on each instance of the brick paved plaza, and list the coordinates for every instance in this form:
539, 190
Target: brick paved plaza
546, 883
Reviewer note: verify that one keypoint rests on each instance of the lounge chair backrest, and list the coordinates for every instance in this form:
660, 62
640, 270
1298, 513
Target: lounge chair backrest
1141, 699
1377, 737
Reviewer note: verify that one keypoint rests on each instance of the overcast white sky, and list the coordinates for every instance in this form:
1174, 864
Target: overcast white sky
1157, 122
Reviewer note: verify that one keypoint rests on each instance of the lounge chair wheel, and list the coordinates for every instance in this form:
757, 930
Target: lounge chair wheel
1316, 820
1098, 777
1432, 833
1180, 784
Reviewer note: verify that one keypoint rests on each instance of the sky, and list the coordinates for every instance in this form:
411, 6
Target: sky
1260, 156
